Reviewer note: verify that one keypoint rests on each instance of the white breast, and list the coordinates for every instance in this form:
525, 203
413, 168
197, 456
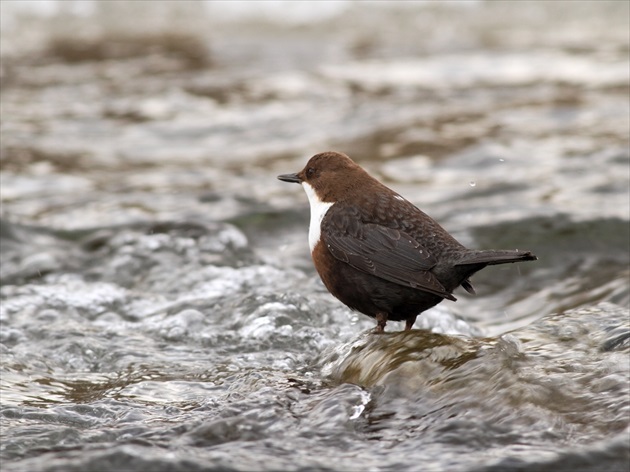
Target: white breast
318, 211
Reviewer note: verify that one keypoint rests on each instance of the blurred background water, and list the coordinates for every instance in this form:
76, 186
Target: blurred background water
159, 309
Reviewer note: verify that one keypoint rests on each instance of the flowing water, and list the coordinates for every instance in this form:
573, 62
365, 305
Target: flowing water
159, 309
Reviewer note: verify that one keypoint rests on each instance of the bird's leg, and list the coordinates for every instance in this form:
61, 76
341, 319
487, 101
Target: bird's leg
409, 323
381, 321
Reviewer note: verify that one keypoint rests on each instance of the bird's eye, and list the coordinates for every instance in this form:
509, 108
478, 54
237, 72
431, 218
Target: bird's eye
310, 172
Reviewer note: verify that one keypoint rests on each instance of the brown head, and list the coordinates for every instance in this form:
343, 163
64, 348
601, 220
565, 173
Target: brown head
332, 176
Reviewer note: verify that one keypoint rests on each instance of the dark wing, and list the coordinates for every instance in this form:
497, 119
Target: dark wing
384, 252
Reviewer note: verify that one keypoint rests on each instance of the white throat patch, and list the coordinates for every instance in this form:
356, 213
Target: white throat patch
318, 211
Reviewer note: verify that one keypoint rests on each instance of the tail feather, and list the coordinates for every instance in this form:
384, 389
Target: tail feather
468, 286
493, 257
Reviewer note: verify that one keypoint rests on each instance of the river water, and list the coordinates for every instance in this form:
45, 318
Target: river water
159, 309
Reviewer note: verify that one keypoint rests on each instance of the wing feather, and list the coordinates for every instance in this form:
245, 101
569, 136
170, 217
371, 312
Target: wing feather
384, 252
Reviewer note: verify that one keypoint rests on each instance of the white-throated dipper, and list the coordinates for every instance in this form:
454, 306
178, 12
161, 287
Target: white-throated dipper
377, 252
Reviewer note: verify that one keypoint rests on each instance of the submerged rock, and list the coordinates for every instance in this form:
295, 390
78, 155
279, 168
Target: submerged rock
566, 376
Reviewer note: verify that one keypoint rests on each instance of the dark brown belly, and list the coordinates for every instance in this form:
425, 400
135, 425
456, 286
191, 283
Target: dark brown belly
369, 294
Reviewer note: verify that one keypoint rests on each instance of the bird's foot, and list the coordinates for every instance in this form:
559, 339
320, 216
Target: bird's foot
409, 323
381, 321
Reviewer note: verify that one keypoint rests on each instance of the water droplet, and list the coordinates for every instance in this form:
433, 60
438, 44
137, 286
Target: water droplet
472, 183
501, 159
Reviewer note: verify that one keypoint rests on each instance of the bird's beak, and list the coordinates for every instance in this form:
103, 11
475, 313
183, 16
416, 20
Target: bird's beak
290, 178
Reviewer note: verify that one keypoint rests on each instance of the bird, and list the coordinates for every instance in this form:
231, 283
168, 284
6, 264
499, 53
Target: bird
378, 253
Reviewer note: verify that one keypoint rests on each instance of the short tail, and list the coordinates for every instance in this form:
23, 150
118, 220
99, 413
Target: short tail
493, 257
